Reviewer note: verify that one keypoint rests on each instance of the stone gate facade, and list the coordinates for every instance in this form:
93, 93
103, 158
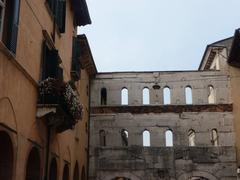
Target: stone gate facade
186, 123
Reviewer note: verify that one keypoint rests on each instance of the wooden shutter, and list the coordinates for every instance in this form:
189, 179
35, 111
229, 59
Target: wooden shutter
14, 26
61, 15
44, 59
76, 67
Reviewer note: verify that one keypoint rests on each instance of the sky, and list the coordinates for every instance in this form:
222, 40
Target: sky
157, 35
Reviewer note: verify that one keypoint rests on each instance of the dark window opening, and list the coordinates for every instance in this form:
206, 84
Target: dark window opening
9, 19
50, 64
53, 170
103, 96
33, 165
102, 136
66, 172
6, 156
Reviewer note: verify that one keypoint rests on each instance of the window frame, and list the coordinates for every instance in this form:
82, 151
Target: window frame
2, 16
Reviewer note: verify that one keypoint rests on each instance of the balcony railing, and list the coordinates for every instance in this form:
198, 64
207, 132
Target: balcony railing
61, 102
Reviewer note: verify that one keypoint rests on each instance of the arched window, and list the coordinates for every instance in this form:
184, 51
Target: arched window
124, 135
211, 95
124, 96
146, 96
103, 96
166, 95
188, 95
214, 137
65, 173
191, 137
102, 137
76, 172
146, 138
33, 165
169, 138
53, 170
6, 156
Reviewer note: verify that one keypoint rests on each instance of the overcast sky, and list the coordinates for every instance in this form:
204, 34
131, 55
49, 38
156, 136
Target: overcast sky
146, 35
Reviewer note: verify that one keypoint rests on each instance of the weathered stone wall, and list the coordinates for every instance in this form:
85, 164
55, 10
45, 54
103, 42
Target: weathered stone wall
158, 161
176, 81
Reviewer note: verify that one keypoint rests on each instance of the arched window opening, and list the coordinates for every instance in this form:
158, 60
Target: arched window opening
146, 138
188, 95
146, 96
6, 157
124, 135
103, 96
124, 96
53, 170
76, 172
198, 178
120, 178
191, 137
83, 176
211, 95
33, 165
66, 172
102, 136
166, 95
169, 138
214, 137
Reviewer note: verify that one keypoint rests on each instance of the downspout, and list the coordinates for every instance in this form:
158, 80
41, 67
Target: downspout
47, 152
89, 109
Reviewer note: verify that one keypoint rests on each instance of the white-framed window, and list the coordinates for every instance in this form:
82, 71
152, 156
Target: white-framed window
2, 12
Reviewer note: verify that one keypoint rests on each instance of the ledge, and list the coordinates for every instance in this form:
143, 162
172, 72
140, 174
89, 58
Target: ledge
162, 109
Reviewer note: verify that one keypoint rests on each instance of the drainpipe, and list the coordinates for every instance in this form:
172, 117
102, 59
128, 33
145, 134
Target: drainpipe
47, 152
89, 102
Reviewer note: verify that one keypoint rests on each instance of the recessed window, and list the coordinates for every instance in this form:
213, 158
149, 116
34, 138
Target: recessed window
191, 137
166, 95
146, 96
102, 137
214, 137
188, 95
211, 95
169, 138
103, 96
146, 138
124, 136
124, 96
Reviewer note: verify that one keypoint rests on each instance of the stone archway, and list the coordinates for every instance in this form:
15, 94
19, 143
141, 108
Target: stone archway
6, 156
33, 165
197, 175
120, 176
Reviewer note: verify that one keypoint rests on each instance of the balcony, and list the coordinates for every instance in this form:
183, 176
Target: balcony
59, 104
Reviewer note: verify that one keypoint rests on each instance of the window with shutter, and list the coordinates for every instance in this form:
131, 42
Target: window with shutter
50, 64
58, 8
76, 66
9, 19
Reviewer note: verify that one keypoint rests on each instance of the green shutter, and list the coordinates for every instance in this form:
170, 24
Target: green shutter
14, 26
